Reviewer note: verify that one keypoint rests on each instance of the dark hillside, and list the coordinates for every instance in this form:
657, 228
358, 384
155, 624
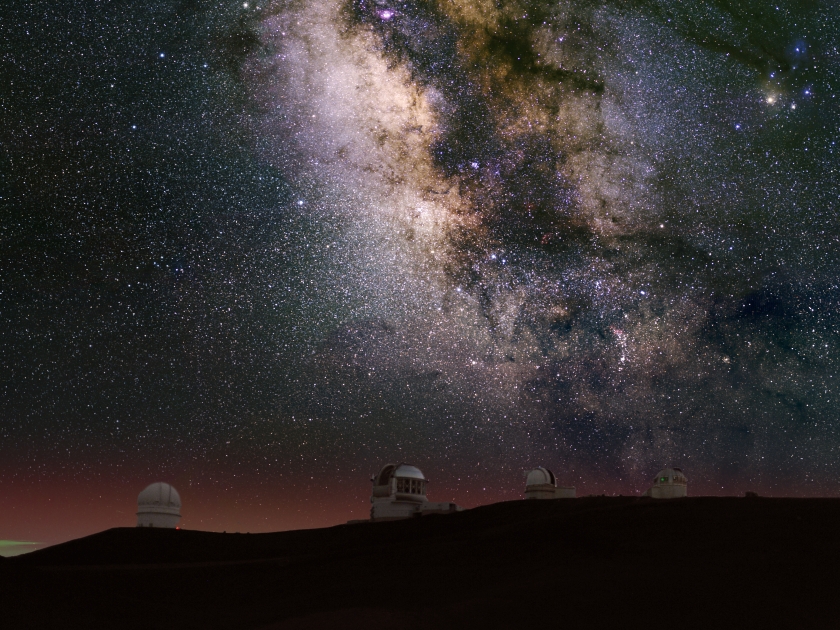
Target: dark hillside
583, 563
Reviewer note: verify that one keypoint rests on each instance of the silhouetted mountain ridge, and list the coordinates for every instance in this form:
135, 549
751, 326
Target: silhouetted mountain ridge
583, 563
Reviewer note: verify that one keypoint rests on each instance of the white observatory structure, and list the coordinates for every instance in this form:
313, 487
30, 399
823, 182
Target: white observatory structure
669, 483
159, 505
399, 491
541, 483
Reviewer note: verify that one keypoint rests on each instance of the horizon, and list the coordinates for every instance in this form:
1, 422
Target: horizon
214, 511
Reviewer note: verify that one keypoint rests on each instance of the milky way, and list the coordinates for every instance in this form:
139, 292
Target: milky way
307, 237
589, 233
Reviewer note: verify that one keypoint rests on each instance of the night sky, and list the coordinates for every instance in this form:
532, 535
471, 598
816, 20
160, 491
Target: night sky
260, 249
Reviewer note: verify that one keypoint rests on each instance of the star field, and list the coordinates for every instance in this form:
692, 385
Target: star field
248, 247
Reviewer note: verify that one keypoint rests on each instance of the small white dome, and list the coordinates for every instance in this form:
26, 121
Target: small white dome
159, 505
404, 471
159, 498
540, 476
669, 477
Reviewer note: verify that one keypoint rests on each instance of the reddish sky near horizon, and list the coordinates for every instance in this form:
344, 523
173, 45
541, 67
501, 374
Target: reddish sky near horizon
60, 510
56, 511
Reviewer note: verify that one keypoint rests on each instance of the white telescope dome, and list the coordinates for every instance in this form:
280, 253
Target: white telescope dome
159, 505
540, 476
540, 483
669, 483
399, 491
405, 471
669, 477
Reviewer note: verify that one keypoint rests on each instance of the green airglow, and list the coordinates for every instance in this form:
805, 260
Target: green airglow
10, 548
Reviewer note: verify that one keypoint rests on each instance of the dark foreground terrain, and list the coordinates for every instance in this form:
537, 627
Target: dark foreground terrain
584, 563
